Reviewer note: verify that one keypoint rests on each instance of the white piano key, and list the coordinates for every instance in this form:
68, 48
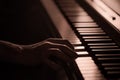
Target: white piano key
81, 19
82, 53
91, 34
92, 24
89, 69
79, 47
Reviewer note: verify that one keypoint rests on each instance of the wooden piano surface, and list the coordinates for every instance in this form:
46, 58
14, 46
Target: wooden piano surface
99, 54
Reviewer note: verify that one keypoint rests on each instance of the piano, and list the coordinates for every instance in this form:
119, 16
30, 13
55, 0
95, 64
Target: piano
93, 27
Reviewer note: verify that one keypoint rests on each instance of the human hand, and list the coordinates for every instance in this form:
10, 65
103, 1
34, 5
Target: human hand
42, 52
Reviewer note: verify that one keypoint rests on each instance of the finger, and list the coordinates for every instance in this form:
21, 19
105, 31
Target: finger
61, 41
52, 65
66, 50
59, 55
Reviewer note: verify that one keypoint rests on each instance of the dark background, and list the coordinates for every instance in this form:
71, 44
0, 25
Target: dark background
23, 21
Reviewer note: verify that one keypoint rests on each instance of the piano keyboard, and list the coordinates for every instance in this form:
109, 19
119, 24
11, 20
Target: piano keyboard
99, 55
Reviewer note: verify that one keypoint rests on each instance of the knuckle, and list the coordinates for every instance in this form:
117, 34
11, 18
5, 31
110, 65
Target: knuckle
49, 39
65, 46
47, 43
44, 45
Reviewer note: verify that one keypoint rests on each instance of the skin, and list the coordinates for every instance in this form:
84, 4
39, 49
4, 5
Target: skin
38, 53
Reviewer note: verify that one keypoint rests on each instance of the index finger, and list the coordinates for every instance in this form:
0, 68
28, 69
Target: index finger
65, 49
61, 41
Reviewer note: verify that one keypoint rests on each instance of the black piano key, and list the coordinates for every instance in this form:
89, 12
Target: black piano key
103, 47
96, 37
112, 64
106, 50
112, 68
113, 73
97, 40
98, 44
107, 55
109, 59
103, 52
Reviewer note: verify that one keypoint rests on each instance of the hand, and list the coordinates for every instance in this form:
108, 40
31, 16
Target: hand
43, 51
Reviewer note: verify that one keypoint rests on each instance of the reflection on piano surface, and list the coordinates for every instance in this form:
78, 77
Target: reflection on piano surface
97, 46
